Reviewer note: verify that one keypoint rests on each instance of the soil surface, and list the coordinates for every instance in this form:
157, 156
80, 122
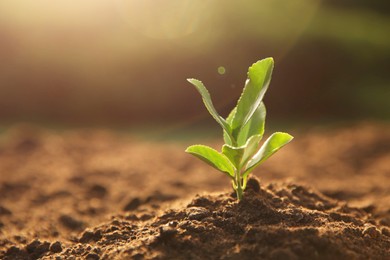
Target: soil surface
97, 194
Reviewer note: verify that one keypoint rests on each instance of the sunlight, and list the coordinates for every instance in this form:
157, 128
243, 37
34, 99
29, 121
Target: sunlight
165, 19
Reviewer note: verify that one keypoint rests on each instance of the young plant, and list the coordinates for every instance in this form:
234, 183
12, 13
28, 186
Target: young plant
242, 130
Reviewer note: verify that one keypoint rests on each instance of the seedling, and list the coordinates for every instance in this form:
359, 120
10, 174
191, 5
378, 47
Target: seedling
243, 129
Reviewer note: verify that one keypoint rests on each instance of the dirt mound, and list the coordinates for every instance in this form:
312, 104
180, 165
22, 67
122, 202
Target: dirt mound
280, 221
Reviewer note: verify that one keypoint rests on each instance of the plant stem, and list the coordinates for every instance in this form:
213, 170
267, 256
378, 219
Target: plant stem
239, 189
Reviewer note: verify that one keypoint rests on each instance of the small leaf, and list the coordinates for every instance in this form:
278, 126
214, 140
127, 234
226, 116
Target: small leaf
213, 158
239, 156
251, 147
271, 146
230, 117
229, 120
234, 154
259, 77
255, 125
209, 104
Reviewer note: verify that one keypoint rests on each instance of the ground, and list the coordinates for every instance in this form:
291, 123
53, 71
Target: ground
97, 194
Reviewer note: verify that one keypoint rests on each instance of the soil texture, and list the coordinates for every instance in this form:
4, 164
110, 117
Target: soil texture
97, 194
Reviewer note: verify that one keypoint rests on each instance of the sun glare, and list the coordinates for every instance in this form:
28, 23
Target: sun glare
165, 19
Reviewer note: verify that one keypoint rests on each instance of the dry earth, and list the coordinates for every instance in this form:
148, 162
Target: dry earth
95, 194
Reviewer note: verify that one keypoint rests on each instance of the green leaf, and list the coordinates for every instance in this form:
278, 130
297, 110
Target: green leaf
230, 117
209, 104
234, 154
271, 146
259, 77
229, 120
239, 156
251, 148
213, 158
255, 125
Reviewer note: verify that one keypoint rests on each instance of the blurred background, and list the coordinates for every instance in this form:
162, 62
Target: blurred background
124, 63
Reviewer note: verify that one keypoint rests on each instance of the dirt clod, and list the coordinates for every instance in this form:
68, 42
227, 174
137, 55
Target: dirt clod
37, 248
385, 221
92, 256
198, 213
385, 231
253, 184
56, 247
132, 204
15, 253
166, 232
89, 236
71, 222
97, 191
371, 231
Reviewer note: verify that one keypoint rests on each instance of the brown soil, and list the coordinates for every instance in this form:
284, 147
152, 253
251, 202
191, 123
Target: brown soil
94, 194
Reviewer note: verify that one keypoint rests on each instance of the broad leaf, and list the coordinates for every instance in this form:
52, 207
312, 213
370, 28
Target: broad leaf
226, 136
271, 146
255, 125
209, 104
213, 158
259, 77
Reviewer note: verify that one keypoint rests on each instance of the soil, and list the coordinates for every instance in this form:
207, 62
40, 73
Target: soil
97, 194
